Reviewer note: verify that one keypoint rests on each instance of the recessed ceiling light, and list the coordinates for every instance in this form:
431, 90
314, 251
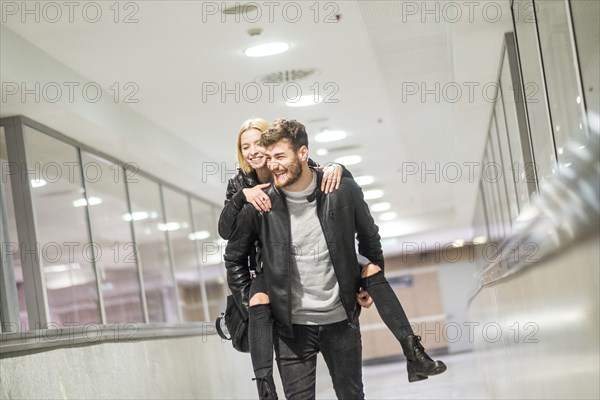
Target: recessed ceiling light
458, 243
479, 240
388, 216
373, 194
36, 183
267, 49
364, 180
322, 152
303, 101
379, 207
169, 226
199, 235
329, 136
348, 160
136, 216
82, 202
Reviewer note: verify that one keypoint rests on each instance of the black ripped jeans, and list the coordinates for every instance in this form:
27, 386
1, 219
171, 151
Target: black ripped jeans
341, 346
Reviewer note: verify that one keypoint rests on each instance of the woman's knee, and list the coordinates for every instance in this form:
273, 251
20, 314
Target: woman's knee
370, 270
259, 298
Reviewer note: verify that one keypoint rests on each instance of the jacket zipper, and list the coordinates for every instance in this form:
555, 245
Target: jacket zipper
319, 211
289, 264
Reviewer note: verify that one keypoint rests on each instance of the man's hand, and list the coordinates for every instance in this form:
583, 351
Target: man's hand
257, 197
363, 298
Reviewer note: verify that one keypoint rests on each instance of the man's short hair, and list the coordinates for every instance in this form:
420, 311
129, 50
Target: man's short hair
289, 129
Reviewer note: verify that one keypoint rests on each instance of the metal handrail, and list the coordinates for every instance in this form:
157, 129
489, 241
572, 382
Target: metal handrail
93, 333
566, 210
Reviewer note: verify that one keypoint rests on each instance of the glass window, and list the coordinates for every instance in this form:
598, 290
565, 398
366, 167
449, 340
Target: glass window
111, 234
489, 198
209, 247
562, 71
500, 168
586, 21
179, 229
479, 220
10, 246
535, 89
153, 253
62, 232
488, 203
514, 139
492, 177
507, 161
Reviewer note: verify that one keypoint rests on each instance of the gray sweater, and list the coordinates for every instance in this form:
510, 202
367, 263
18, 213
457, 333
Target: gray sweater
315, 290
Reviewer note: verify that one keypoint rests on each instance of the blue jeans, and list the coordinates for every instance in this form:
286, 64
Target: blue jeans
341, 346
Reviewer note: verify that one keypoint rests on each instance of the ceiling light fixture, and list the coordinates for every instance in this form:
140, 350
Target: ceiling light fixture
330, 136
199, 235
82, 202
267, 49
36, 183
364, 180
322, 152
479, 240
458, 243
169, 226
136, 216
348, 160
379, 207
388, 216
373, 194
304, 101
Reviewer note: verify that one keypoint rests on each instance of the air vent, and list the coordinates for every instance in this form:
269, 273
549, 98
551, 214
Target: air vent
290, 75
240, 9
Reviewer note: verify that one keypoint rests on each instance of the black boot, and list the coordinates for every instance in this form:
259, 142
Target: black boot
266, 388
420, 365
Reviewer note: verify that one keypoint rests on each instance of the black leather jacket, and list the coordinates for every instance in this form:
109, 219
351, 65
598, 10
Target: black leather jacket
342, 214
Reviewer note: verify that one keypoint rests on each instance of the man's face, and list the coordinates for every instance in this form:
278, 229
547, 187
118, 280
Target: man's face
284, 163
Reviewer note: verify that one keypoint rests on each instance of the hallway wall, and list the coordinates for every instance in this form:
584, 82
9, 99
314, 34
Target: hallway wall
199, 367
538, 332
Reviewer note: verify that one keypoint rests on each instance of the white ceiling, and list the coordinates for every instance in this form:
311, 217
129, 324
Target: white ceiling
376, 51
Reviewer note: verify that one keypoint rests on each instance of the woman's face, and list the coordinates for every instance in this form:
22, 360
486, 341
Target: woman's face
251, 150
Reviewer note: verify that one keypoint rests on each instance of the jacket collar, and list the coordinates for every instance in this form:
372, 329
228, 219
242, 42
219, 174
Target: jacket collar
250, 178
317, 194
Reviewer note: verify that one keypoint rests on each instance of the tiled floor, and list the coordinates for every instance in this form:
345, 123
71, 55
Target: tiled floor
389, 381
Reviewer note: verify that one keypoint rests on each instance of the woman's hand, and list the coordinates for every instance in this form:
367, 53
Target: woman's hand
257, 197
332, 177
364, 299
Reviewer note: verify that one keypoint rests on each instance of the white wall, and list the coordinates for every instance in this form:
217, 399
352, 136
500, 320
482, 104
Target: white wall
456, 285
538, 337
200, 367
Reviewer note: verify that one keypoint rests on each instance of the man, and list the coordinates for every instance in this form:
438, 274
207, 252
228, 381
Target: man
312, 272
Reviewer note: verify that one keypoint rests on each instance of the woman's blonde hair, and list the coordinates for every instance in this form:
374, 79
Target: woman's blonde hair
253, 123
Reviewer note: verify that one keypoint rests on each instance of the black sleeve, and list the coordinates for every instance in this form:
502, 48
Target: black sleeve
367, 233
234, 201
239, 247
346, 173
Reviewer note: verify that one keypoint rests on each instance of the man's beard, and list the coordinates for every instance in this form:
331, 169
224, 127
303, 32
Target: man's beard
293, 172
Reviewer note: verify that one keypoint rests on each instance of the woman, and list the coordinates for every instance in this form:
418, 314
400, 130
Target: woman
247, 187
